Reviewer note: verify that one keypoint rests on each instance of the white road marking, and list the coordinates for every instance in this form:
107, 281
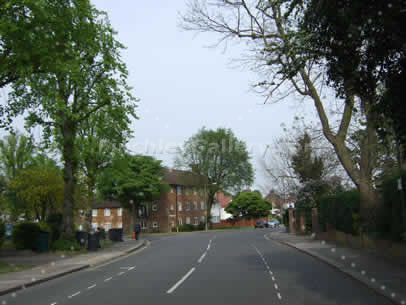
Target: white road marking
90, 287
172, 289
108, 279
208, 247
73, 295
121, 273
53, 303
202, 257
131, 268
279, 296
276, 286
273, 279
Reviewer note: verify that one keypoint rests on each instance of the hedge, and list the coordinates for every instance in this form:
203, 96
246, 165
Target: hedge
340, 210
389, 223
25, 235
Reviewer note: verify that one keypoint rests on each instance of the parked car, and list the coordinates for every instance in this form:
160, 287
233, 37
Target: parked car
273, 223
261, 224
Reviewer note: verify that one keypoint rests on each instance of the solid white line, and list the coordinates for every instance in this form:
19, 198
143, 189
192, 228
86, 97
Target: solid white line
181, 280
202, 257
279, 296
276, 286
90, 287
108, 279
73, 295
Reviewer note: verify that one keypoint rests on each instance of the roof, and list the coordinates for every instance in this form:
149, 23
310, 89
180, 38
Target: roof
106, 204
180, 177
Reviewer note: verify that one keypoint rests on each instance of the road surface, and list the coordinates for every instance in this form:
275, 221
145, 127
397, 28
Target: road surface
238, 267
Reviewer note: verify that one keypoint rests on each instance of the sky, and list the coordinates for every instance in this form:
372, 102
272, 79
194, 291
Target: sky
184, 85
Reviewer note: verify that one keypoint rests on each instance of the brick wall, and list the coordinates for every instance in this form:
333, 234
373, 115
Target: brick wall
241, 222
101, 220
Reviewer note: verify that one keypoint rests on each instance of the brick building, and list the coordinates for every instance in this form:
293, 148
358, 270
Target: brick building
185, 203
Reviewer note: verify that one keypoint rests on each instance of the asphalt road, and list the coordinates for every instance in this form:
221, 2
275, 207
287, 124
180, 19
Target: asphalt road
224, 268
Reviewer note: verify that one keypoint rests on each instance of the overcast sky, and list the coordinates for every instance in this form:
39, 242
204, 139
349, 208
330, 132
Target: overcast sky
183, 85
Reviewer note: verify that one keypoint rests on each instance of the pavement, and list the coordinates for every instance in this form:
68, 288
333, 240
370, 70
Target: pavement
379, 274
49, 266
236, 267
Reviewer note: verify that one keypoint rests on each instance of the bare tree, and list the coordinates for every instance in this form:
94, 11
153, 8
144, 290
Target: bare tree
275, 42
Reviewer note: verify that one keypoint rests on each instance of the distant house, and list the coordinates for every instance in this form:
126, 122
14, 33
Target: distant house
185, 203
217, 210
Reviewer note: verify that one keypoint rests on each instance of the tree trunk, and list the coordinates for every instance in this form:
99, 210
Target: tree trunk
209, 204
68, 176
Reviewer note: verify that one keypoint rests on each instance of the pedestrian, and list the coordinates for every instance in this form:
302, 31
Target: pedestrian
137, 230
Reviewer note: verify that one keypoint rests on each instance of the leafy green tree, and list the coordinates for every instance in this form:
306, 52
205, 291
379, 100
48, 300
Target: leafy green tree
305, 164
40, 192
219, 156
87, 76
249, 205
271, 30
134, 178
16, 153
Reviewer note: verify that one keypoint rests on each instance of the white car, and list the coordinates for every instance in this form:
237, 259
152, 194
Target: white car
273, 223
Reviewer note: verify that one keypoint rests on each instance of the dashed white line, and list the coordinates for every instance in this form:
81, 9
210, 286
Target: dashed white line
120, 273
53, 303
208, 247
90, 287
172, 289
131, 268
108, 279
279, 296
276, 286
273, 278
202, 257
73, 295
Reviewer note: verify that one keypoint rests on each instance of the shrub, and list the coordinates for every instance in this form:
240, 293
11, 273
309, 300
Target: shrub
340, 210
186, 228
66, 245
25, 235
2, 233
201, 226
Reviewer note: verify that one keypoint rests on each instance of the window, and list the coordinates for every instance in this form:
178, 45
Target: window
202, 205
188, 220
143, 224
196, 220
155, 224
120, 225
202, 219
120, 212
106, 212
180, 221
107, 226
179, 189
172, 189
179, 206
172, 224
215, 219
194, 191
94, 225
94, 212
171, 207
187, 205
195, 205
154, 207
